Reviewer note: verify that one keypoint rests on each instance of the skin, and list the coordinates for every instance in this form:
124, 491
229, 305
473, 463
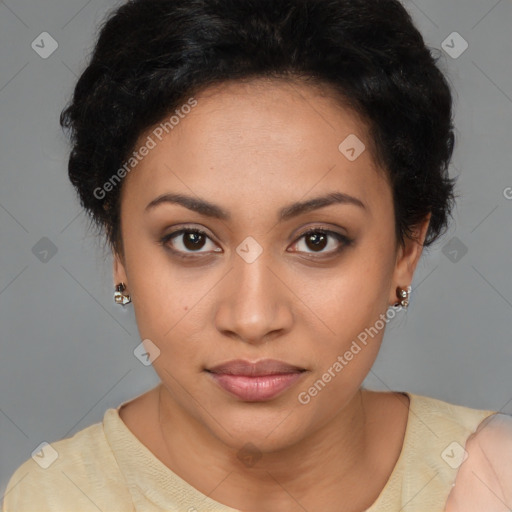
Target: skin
253, 149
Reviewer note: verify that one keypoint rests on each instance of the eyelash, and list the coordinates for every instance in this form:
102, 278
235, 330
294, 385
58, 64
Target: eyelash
345, 241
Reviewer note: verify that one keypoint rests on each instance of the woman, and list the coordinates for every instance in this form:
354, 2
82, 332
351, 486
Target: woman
267, 175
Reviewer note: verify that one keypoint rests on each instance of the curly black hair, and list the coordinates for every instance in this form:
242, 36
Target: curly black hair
153, 55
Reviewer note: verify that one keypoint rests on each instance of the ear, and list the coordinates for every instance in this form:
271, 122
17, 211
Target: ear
407, 258
119, 269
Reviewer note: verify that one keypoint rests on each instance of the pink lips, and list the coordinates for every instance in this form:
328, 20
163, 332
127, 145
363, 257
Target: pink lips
255, 382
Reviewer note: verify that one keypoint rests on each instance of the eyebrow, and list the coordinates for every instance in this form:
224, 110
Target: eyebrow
293, 210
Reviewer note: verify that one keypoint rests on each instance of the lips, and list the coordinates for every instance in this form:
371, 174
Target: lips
257, 369
255, 382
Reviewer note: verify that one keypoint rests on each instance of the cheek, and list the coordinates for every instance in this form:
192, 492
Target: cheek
172, 306
160, 297
161, 310
353, 324
349, 305
349, 296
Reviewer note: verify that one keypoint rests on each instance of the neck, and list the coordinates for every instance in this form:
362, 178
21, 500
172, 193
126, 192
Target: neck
332, 460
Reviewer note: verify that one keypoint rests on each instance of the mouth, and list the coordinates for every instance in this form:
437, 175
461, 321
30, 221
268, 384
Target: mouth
256, 382
260, 368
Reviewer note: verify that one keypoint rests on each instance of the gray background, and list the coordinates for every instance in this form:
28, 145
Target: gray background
67, 349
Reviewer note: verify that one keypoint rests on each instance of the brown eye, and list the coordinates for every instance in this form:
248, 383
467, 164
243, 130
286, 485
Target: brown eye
316, 240
193, 241
186, 242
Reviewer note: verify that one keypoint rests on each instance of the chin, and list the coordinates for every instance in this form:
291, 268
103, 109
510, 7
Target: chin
265, 430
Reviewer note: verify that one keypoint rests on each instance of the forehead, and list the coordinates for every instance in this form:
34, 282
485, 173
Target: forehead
259, 140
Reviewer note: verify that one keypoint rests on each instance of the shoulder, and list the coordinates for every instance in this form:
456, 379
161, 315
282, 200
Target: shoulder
79, 473
449, 414
484, 480
493, 435
491, 444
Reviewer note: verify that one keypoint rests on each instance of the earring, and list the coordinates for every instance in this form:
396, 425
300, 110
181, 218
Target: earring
120, 297
404, 296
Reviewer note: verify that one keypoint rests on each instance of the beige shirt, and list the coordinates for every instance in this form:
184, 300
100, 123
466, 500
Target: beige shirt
104, 467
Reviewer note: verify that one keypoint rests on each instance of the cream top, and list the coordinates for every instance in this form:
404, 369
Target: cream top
105, 467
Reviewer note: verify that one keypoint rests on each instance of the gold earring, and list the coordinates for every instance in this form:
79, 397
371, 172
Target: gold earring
120, 297
404, 296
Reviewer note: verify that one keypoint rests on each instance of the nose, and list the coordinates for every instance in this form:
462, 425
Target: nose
255, 304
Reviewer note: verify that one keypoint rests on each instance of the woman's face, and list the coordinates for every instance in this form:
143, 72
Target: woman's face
253, 287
